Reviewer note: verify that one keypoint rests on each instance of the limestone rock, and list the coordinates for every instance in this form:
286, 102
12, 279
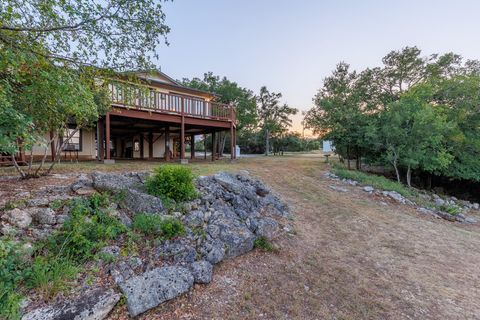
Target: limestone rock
19, 218
202, 271
138, 202
93, 305
43, 216
148, 290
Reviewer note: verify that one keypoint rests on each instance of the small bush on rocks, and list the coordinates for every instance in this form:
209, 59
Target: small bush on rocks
172, 182
86, 230
262, 243
13, 271
155, 225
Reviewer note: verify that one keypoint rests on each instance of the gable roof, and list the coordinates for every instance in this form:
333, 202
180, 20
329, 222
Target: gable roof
157, 76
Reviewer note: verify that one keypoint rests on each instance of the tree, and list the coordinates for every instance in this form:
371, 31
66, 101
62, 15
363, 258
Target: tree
412, 133
274, 117
119, 34
53, 55
228, 92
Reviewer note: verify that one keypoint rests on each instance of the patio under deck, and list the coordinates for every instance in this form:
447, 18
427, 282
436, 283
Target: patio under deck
127, 132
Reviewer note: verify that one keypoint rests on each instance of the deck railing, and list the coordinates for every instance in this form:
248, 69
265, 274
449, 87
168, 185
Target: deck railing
150, 99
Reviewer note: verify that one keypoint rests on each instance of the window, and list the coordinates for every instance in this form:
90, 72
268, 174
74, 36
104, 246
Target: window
75, 142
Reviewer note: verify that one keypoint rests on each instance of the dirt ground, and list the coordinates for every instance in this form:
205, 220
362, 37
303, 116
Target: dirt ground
351, 257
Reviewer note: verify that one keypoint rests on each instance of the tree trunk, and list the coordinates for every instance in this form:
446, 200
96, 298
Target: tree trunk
429, 182
267, 143
396, 171
59, 150
17, 167
409, 176
348, 157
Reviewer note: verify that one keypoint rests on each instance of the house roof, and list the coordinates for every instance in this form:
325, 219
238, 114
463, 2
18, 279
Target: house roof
157, 76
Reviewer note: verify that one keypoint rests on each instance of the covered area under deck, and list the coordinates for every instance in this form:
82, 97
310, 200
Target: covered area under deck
139, 134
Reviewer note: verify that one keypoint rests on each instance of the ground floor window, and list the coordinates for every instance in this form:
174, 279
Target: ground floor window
75, 142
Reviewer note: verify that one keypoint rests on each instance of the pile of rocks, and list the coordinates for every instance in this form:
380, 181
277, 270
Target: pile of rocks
435, 209
230, 213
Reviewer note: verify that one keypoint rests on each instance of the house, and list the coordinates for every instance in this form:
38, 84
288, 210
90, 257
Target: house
152, 118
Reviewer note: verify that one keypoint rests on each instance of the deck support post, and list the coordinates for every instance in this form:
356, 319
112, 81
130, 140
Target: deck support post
235, 142
192, 146
107, 135
150, 145
167, 144
232, 146
141, 146
214, 145
100, 137
205, 147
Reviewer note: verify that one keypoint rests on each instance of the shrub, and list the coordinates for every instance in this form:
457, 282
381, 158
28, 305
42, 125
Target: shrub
13, 271
51, 275
263, 244
86, 230
155, 225
173, 182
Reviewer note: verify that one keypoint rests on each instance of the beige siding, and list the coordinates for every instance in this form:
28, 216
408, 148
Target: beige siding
88, 146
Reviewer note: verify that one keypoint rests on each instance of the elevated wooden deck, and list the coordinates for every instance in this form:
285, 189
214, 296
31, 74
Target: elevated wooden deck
150, 99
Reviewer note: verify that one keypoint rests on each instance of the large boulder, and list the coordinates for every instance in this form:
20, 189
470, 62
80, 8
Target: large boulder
19, 218
148, 290
92, 305
139, 202
230, 230
131, 185
114, 181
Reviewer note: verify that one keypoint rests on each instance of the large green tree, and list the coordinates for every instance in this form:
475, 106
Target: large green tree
274, 117
53, 55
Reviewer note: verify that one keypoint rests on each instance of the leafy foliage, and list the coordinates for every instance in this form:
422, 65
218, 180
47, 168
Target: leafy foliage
172, 182
274, 117
415, 114
155, 225
13, 271
111, 33
87, 230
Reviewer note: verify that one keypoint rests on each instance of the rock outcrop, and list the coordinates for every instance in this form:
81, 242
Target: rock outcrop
93, 305
154, 287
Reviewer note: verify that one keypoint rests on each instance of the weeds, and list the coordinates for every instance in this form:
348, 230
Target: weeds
262, 243
375, 181
50, 275
155, 225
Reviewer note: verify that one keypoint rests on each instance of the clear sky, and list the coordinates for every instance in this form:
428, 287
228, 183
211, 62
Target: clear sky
290, 46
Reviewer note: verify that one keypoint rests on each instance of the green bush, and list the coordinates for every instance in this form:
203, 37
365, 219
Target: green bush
155, 225
13, 272
87, 230
263, 244
173, 182
375, 181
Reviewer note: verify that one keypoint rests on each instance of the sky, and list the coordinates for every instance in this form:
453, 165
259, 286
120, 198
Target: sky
291, 46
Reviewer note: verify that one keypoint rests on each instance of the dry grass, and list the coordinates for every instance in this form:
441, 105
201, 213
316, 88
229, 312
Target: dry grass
351, 258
